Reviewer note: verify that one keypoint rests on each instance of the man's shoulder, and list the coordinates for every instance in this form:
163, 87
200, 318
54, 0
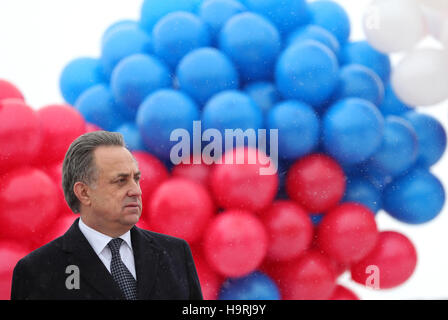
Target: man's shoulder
46, 252
163, 240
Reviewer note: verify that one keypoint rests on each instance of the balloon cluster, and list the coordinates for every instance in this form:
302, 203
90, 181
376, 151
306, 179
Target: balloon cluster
348, 146
399, 26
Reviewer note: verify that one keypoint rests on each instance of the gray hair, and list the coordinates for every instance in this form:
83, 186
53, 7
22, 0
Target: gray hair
79, 164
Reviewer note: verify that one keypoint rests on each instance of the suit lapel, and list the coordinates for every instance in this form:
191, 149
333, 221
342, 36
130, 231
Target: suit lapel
91, 268
146, 257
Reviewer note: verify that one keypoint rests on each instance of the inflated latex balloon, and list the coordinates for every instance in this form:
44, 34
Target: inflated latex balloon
57, 132
431, 137
54, 171
153, 10
399, 149
389, 264
361, 190
162, 112
348, 233
391, 104
122, 43
176, 34
394, 25
421, 77
361, 52
286, 15
78, 76
117, 26
331, 16
58, 228
215, 14
97, 105
289, 228
358, 81
199, 80
20, 136
352, 130
315, 32
309, 277
414, 198
255, 286
131, 136
265, 94
27, 211
239, 184
235, 243
298, 128
135, 77
307, 71
179, 207
10, 254
90, 127
316, 182
342, 293
251, 41
8, 91
231, 109
199, 172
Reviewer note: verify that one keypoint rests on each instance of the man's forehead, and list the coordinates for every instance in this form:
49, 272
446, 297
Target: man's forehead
115, 159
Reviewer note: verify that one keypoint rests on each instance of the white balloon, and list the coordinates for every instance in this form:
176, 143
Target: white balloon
421, 78
394, 25
439, 5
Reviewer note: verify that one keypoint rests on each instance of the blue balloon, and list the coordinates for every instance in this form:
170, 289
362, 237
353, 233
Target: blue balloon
135, 77
98, 106
153, 10
298, 128
215, 14
286, 15
117, 26
255, 286
78, 76
160, 114
361, 190
313, 32
122, 43
378, 177
176, 34
414, 198
201, 81
361, 52
132, 136
316, 218
399, 149
265, 94
392, 105
331, 16
307, 71
253, 43
358, 81
352, 130
231, 110
431, 137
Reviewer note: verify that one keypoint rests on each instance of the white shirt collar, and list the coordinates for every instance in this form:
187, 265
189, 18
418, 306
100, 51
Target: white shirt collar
99, 240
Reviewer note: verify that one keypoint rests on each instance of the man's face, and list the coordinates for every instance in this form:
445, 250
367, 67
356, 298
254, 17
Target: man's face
116, 197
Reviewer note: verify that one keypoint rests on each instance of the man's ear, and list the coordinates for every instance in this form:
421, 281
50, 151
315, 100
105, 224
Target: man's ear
81, 191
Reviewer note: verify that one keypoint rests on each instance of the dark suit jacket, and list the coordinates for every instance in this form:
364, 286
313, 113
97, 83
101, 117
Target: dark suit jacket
164, 268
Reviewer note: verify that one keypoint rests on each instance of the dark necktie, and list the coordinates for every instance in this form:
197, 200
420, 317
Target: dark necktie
120, 273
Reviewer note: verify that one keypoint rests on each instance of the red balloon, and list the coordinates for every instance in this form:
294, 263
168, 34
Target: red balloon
28, 204
55, 173
342, 293
197, 172
348, 233
310, 277
179, 207
289, 228
235, 243
153, 173
389, 264
9, 91
241, 183
317, 182
90, 127
57, 229
61, 125
10, 254
19, 134
210, 281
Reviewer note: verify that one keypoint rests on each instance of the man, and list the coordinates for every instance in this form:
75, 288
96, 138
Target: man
104, 255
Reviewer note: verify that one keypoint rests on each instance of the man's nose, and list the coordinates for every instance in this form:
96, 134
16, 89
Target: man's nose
135, 190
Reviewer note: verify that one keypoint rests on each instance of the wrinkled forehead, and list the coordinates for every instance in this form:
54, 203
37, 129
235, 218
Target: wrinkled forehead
112, 160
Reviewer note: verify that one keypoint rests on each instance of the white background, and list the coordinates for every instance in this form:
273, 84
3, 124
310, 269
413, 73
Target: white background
39, 37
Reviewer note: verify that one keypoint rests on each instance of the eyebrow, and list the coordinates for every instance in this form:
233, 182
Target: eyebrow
126, 175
